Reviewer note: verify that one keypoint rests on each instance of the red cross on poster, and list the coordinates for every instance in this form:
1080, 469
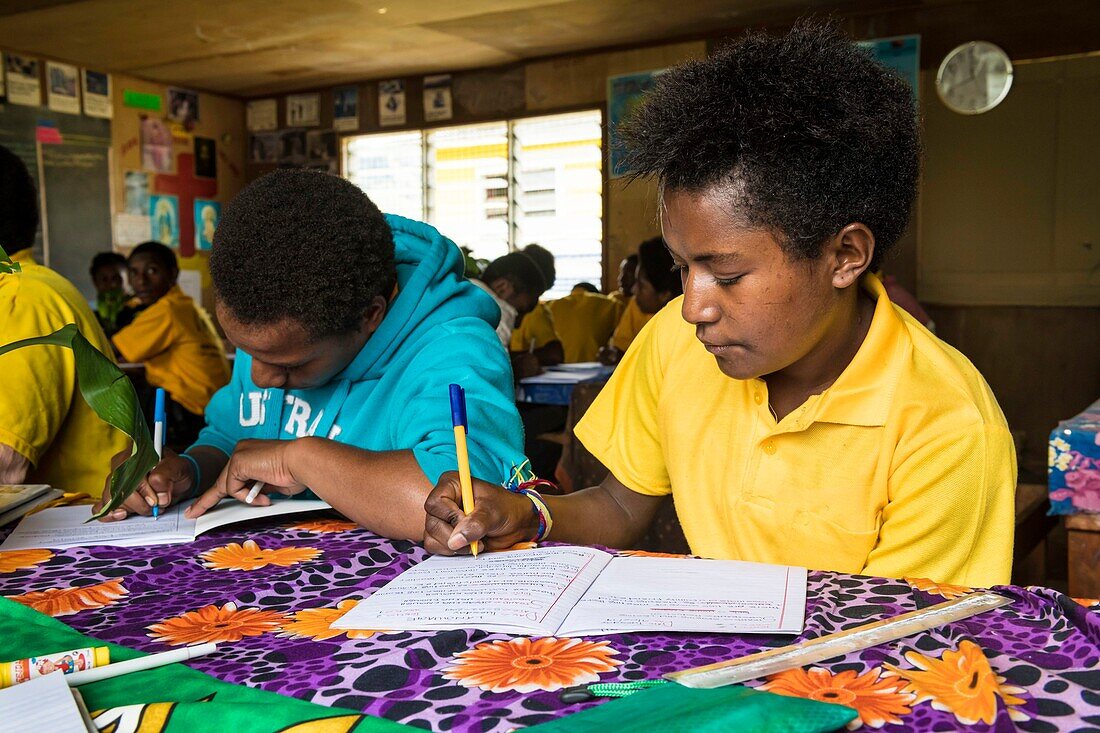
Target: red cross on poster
188, 188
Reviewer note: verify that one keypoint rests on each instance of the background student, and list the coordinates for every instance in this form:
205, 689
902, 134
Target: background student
175, 339
657, 283
793, 412
48, 434
112, 305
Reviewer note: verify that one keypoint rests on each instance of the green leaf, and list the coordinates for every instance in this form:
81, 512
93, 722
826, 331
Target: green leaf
110, 394
7, 265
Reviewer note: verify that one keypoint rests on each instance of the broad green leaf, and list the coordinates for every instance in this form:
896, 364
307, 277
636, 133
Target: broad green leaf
7, 264
110, 394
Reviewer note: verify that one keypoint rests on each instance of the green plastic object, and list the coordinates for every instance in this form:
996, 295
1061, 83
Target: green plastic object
673, 708
141, 100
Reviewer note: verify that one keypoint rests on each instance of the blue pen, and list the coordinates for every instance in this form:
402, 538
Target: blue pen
158, 436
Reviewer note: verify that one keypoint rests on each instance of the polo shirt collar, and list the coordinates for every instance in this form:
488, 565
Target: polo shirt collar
862, 393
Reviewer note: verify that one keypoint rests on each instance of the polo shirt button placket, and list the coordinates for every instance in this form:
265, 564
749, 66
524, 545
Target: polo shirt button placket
768, 447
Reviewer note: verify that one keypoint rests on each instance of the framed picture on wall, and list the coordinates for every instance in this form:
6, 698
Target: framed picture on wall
303, 110
206, 159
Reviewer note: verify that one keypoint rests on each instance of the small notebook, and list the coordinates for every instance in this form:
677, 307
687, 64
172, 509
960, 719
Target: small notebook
582, 591
18, 499
41, 704
67, 526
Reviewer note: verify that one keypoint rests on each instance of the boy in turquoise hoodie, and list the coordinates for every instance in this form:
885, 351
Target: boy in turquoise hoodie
349, 327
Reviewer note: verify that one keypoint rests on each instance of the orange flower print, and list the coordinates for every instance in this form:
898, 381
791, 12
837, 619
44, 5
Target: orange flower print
960, 682
527, 665
646, 553
946, 590
321, 526
878, 700
250, 556
211, 623
1086, 602
67, 601
316, 623
13, 560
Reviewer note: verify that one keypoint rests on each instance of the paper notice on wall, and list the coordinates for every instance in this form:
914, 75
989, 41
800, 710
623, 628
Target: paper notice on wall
345, 109
263, 114
437, 98
391, 102
190, 282
303, 110
23, 85
97, 94
131, 229
63, 88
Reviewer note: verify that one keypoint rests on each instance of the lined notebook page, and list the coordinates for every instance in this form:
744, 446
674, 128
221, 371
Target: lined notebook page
41, 704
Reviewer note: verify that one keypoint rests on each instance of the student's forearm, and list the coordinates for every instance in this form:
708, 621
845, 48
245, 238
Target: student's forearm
14, 466
211, 461
382, 491
599, 516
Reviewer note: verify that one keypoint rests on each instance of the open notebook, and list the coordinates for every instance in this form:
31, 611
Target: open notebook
44, 703
582, 591
67, 526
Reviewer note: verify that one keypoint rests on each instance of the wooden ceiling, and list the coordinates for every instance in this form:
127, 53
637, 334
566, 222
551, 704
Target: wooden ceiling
254, 47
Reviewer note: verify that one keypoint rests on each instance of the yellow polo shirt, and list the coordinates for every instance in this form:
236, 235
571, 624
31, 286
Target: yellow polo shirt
180, 348
536, 327
904, 466
42, 414
630, 325
584, 322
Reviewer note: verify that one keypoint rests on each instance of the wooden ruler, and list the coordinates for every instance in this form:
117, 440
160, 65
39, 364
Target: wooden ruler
755, 666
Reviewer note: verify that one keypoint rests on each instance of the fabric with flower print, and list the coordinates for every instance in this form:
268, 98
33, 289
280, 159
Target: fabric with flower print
527, 665
67, 601
947, 590
321, 526
12, 560
877, 699
316, 623
211, 623
1073, 464
962, 683
251, 556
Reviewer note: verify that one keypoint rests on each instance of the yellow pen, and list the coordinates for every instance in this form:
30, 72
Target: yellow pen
458, 419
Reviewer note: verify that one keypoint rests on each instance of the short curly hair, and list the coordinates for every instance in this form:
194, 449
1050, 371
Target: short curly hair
804, 132
18, 203
657, 264
303, 245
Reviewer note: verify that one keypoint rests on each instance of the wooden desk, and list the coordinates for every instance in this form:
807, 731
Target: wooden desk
1084, 555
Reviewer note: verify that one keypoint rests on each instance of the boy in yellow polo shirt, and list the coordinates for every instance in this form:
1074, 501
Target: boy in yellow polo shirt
176, 340
792, 411
658, 282
48, 434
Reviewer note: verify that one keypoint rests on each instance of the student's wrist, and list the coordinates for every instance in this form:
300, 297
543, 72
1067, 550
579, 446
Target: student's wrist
300, 454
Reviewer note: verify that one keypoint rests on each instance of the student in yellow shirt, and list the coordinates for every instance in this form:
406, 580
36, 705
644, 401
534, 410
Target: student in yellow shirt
584, 320
793, 412
535, 342
176, 340
658, 282
48, 434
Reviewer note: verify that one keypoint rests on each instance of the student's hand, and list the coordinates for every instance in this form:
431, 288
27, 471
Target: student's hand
500, 517
270, 461
168, 482
525, 365
609, 355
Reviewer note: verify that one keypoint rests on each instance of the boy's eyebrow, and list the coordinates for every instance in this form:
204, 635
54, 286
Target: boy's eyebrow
719, 258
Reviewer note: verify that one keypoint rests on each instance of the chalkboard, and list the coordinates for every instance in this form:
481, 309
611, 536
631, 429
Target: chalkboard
74, 181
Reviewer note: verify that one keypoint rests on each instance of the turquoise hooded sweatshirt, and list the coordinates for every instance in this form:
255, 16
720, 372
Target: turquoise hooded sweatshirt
440, 329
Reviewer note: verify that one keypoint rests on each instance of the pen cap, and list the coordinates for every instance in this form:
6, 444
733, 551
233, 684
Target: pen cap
158, 409
458, 406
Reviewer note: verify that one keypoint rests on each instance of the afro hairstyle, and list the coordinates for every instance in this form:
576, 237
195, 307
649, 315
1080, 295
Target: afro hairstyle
802, 134
18, 203
163, 255
518, 269
656, 262
302, 245
544, 258
106, 259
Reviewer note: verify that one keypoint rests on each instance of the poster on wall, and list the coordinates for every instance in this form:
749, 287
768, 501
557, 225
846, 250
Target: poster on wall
97, 94
900, 54
131, 229
624, 94
262, 115
303, 110
391, 102
156, 146
320, 145
136, 184
206, 157
437, 98
207, 216
293, 150
183, 106
264, 148
345, 109
62, 88
23, 85
165, 220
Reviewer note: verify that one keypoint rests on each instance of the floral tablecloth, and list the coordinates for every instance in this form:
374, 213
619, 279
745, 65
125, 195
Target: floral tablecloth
271, 591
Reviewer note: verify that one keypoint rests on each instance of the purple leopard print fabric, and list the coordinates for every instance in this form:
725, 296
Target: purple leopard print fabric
270, 591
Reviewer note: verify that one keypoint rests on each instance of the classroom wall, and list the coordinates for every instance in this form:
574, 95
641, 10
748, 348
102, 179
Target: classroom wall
220, 118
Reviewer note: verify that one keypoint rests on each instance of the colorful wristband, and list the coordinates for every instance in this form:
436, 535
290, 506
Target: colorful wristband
195, 475
546, 521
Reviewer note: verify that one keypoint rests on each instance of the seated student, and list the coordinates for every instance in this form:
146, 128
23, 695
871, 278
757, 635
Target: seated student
657, 283
112, 304
535, 343
175, 339
793, 412
514, 282
349, 327
628, 271
48, 434
584, 321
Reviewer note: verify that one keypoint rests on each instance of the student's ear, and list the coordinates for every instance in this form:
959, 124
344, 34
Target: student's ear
850, 253
372, 317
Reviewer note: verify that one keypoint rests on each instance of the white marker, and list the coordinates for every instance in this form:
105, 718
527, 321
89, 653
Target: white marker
254, 492
137, 665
